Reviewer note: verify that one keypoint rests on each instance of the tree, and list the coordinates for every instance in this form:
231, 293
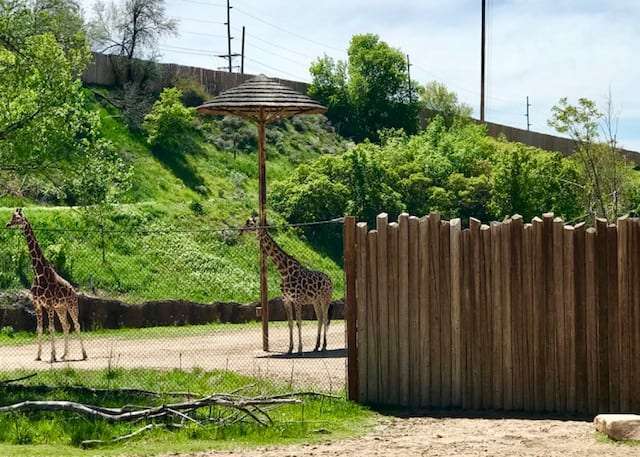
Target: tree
604, 170
47, 132
437, 98
130, 28
169, 124
368, 93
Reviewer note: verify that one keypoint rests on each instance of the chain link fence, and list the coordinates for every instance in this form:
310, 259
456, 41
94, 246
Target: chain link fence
173, 299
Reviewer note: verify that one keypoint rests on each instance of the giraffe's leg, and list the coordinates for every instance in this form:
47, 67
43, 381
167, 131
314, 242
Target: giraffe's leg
73, 312
289, 310
318, 310
39, 330
52, 329
299, 322
325, 319
64, 323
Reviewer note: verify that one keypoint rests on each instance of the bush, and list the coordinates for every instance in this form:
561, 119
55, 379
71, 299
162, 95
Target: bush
169, 123
193, 93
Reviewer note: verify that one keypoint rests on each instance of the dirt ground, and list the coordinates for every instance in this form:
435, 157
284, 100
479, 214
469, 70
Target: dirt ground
464, 437
238, 349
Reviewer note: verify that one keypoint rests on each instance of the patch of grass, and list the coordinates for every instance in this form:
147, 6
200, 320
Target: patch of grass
47, 433
603, 438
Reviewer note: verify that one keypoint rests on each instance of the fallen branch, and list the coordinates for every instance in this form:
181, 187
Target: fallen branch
91, 443
132, 413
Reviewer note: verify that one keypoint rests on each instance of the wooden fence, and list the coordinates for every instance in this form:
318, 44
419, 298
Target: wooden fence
539, 317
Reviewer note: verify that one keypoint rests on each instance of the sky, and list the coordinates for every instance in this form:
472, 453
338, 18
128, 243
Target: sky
544, 49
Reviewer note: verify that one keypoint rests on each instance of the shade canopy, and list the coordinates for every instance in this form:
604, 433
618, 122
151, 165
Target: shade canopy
263, 100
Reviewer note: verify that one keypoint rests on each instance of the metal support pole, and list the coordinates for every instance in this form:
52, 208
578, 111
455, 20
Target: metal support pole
242, 54
482, 60
262, 210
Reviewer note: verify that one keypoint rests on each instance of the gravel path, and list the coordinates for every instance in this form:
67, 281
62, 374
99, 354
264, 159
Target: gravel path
460, 437
238, 350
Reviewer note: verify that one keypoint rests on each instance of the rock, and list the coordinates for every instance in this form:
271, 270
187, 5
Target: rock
619, 426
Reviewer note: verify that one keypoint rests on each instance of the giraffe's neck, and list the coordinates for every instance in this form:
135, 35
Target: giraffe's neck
283, 261
38, 261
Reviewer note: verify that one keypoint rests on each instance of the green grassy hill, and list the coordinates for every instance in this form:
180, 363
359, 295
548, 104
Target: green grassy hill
170, 236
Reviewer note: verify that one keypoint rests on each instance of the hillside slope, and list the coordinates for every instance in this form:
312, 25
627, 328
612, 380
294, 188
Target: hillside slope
172, 236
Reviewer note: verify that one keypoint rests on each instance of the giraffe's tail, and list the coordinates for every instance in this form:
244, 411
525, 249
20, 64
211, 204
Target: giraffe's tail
330, 312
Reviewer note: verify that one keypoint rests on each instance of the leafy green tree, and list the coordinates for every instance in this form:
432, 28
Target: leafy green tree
48, 132
368, 93
169, 124
438, 99
607, 177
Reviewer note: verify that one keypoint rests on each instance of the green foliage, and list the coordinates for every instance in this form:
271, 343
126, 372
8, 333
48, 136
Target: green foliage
193, 94
47, 131
438, 99
607, 181
169, 124
458, 171
60, 433
369, 93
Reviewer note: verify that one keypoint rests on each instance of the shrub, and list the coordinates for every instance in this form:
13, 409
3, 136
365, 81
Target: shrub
169, 123
193, 93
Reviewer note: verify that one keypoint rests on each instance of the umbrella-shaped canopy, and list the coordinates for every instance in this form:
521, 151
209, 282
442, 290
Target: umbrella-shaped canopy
262, 100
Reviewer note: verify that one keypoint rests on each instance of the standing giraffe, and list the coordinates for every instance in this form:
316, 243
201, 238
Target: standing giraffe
300, 286
49, 291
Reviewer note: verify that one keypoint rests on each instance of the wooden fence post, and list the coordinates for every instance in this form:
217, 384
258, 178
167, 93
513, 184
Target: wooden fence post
361, 320
351, 306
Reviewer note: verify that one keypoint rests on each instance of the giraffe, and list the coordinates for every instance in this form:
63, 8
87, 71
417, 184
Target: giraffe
300, 286
50, 292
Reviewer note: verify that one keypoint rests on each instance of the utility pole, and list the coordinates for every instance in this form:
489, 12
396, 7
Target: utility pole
527, 115
242, 53
228, 55
228, 23
409, 76
482, 60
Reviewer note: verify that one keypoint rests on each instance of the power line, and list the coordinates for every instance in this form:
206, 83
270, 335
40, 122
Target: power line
274, 68
293, 51
277, 55
204, 21
205, 34
302, 37
203, 3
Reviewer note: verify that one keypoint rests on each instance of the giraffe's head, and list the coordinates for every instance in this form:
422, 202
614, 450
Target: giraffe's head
17, 219
251, 225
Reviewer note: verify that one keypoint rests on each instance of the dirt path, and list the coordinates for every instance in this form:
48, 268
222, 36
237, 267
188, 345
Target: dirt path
238, 350
459, 437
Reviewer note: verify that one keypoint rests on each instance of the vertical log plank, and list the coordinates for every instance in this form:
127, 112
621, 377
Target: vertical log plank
549, 309
351, 311
517, 332
614, 337
445, 321
424, 343
603, 314
361, 299
496, 301
569, 316
539, 315
591, 320
476, 314
403, 307
580, 345
414, 310
625, 315
382, 223
558, 309
506, 316
435, 393
392, 271
527, 318
487, 322
373, 359
467, 322
456, 286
